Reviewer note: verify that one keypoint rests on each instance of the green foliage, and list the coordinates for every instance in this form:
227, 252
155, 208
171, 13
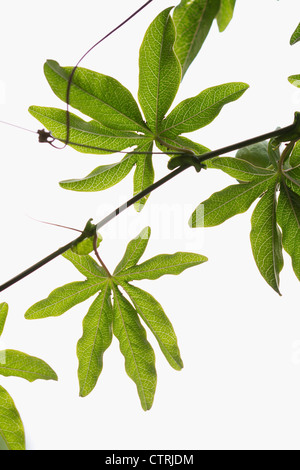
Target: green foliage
274, 174
16, 364
117, 121
193, 20
120, 316
295, 36
225, 14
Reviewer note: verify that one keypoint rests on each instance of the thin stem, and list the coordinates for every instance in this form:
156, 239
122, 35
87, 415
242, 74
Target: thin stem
95, 239
140, 196
285, 154
83, 57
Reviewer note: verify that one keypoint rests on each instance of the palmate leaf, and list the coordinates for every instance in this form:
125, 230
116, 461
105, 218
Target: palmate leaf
99, 96
12, 436
199, 111
121, 318
160, 71
117, 121
193, 20
266, 239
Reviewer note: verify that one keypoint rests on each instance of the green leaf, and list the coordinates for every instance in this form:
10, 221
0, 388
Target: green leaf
12, 436
225, 14
194, 113
138, 354
19, 364
64, 298
256, 154
143, 176
155, 318
86, 246
193, 20
295, 157
266, 239
89, 134
99, 96
3, 316
295, 80
134, 251
160, 70
87, 266
288, 216
296, 36
230, 201
96, 338
103, 177
161, 265
239, 169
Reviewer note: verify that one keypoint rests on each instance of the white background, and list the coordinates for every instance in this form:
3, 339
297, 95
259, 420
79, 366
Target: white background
240, 341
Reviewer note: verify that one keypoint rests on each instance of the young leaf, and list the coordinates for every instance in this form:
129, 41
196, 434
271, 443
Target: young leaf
230, 201
256, 154
296, 36
86, 246
101, 97
239, 169
160, 71
103, 177
143, 176
193, 20
134, 251
90, 134
155, 318
288, 216
97, 337
64, 298
18, 364
12, 436
3, 316
138, 354
161, 265
225, 14
266, 239
194, 113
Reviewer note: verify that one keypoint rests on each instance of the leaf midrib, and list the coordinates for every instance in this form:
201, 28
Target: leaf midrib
96, 332
141, 387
